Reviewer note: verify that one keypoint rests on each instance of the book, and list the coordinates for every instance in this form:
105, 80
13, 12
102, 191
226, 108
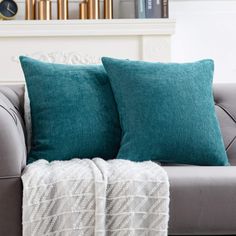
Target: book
153, 8
165, 8
140, 9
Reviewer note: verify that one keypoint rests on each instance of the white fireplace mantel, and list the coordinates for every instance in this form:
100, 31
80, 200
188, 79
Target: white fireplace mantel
77, 41
87, 27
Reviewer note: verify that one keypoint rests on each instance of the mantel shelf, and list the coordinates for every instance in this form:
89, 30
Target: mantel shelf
113, 27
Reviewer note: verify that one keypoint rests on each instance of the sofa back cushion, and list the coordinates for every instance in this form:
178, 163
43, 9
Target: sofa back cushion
225, 106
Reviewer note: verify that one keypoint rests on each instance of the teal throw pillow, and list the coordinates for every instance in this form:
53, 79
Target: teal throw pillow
166, 111
73, 111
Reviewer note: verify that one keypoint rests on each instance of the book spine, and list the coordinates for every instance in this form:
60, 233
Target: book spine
153, 9
165, 8
148, 8
140, 9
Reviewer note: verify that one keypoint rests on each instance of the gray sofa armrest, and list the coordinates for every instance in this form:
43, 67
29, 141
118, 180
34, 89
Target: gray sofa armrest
12, 135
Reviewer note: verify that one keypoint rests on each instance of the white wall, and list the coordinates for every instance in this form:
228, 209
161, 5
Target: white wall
206, 29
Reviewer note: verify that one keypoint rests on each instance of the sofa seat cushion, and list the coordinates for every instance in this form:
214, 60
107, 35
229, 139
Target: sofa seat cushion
202, 200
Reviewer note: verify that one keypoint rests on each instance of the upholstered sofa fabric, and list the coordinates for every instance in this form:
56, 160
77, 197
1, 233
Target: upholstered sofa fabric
180, 178
166, 111
202, 200
73, 111
12, 159
225, 105
12, 132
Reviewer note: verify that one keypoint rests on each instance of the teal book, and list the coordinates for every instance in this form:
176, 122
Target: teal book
140, 9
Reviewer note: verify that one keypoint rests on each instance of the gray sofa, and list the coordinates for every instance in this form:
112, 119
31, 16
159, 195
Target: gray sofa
202, 199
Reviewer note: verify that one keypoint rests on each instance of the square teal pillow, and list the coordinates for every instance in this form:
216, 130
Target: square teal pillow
166, 111
73, 111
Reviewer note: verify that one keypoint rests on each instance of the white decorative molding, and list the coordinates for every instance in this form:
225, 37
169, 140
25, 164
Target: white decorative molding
86, 27
82, 42
71, 58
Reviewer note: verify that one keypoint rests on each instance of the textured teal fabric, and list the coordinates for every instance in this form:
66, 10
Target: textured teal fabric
73, 111
166, 111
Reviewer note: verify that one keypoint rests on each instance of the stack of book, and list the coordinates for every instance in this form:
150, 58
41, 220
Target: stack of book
151, 8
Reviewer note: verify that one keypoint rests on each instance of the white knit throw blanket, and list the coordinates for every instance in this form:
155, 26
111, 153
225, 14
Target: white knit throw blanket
84, 197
